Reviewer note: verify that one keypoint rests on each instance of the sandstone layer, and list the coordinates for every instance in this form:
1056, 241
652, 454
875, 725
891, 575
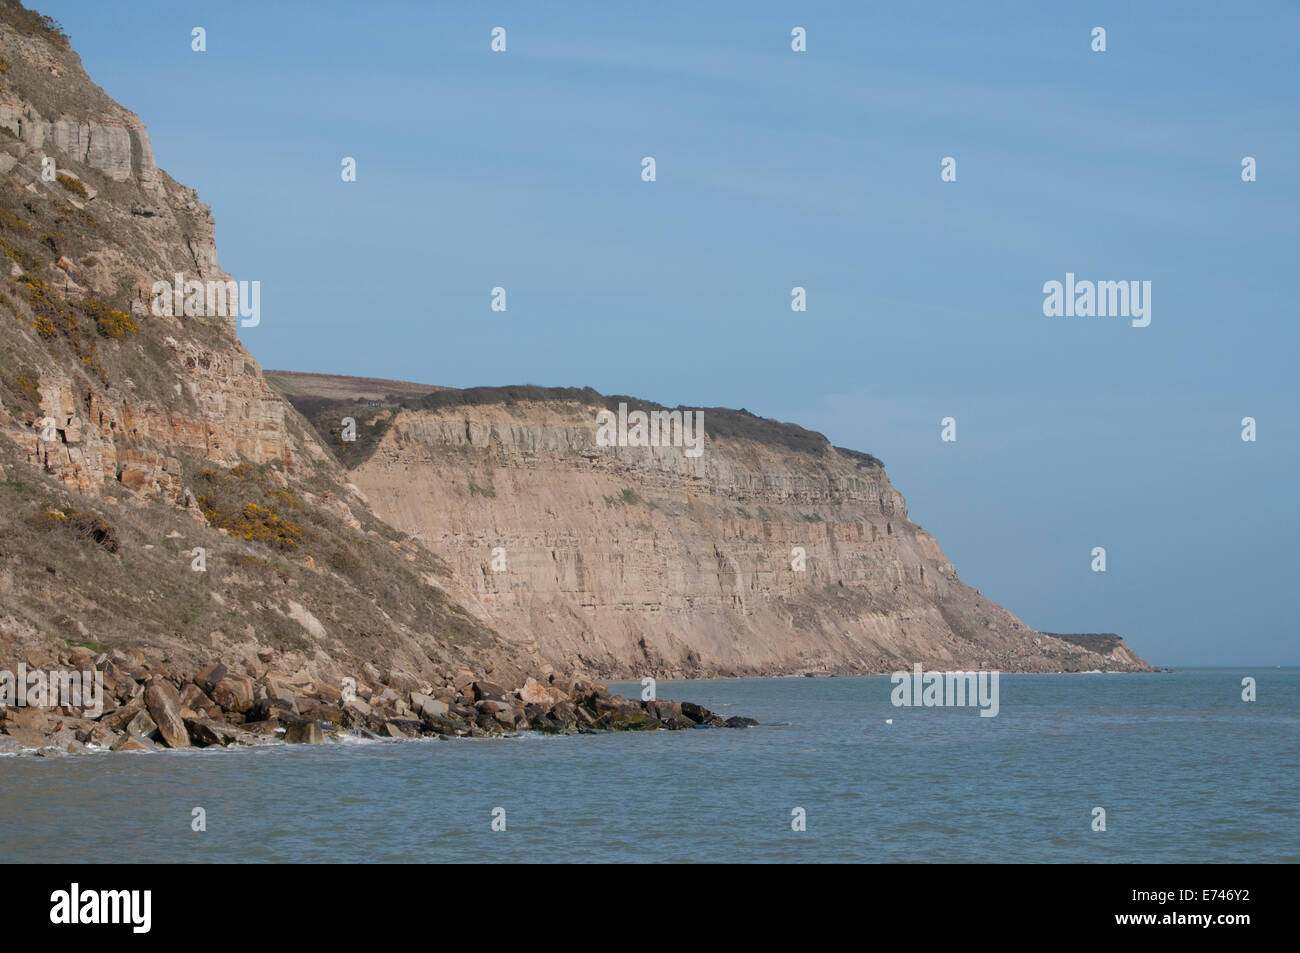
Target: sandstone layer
638, 561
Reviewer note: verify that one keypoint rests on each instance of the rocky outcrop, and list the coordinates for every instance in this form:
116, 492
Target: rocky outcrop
249, 711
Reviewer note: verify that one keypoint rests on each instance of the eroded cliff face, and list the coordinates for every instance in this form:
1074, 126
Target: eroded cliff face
639, 561
131, 441
101, 220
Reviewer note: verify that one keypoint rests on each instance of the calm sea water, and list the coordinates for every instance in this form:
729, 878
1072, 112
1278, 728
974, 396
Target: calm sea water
1186, 771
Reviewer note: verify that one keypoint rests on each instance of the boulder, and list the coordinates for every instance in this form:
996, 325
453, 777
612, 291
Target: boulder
206, 732
402, 728
564, 714
164, 705
210, 676
196, 699
535, 693
119, 719
445, 726
134, 743
267, 709
99, 734
142, 725
628, 719
26, 737
356, 714
490, 691
278, 688
663, 709
234, 693
737, 721
270, 727
125, 687
24, 717
304, 733
403, 682
316, 711
700, 715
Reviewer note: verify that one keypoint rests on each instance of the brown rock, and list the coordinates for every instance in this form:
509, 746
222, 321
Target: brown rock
304, 733
431, 707
99, 734
196, 699
134, 743
27, 737
209, 677
206, 732
119, 719
269, 727
565, 714
234, 693
164, 705
489, 690
268, 708
535, 693
403, 682
315, 711
24, 717
142, 725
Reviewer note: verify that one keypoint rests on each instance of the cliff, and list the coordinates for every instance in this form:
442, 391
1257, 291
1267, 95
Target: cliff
131, 440
167, 516
635, 560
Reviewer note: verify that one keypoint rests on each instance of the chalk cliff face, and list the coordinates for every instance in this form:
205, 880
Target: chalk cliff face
771, 552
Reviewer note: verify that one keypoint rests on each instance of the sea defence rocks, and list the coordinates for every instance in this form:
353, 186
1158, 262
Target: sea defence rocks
150, 710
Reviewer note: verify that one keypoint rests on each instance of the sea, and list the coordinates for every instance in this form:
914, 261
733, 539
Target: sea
1184, 769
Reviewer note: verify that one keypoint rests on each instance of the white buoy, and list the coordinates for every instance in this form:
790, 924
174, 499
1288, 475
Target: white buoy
889, 721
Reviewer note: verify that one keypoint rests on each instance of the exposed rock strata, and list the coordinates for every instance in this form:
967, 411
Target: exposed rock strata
644, 561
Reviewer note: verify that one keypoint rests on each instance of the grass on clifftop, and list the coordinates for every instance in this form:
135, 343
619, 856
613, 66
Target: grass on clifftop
326, 416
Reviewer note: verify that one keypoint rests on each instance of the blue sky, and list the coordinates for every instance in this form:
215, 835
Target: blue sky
818, 169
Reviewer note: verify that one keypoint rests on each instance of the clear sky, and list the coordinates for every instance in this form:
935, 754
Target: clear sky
818, 169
